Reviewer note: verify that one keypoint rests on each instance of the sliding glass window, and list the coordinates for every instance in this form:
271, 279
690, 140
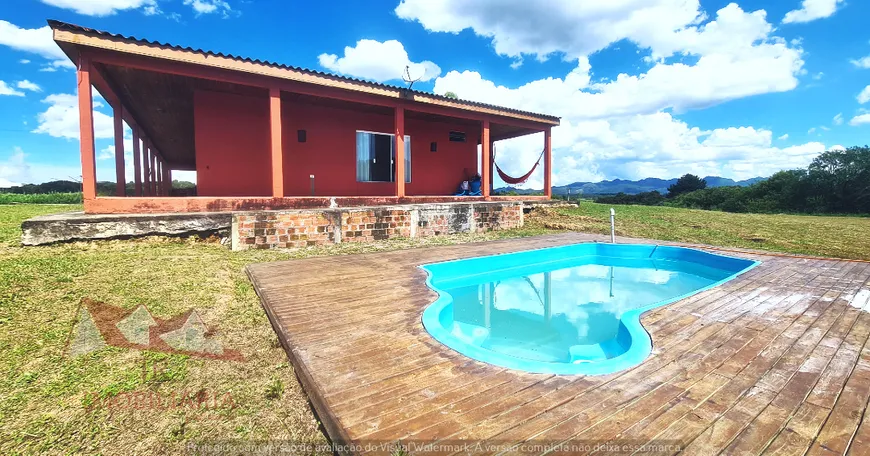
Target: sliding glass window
375, 157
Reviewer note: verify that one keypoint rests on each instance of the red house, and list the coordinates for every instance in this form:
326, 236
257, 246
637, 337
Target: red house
262, 135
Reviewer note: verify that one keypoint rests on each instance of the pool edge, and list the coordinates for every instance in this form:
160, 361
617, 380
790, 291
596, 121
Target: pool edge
641, 341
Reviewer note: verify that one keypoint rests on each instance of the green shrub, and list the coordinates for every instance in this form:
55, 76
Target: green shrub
43, 198
687, 183
653, 198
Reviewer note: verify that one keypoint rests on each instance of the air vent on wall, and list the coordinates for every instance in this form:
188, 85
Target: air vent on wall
457, 136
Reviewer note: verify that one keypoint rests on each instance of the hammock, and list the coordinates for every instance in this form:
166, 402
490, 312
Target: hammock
516, 180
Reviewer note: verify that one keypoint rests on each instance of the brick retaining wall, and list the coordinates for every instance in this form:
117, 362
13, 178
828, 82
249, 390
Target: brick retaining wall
301, 228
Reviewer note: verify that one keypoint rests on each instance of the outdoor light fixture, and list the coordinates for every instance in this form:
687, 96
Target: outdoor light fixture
301, 135
433, 147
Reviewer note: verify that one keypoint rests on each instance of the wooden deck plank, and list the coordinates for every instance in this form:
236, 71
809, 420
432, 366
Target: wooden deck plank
723, 415
775, 361
718, 419
797, 436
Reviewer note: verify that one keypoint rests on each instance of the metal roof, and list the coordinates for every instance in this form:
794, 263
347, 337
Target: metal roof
59, 25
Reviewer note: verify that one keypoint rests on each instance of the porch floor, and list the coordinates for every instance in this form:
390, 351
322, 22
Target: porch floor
775, 361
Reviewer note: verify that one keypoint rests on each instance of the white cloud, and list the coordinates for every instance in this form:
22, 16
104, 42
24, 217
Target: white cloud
737, 58
24, 61
106, 161
16, 169
837, 147
25, 171
863, 62
652, 145
620, 127
818, 76
862, 119
27, 85
61, 118
153, 10
783, 137
35, 41
6, 89
8, 183
838, 119
578, 29
100, 7
13, 167
107, 154
811, 10
378, 61
209, 7
864, 96
811, 130
189, 176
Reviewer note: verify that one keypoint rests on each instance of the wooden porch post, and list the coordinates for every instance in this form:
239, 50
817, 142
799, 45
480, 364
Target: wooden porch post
146, 167
167, 180
399, 161
120, 174
277, 144
163, 186
548, 162
153, 172
161, 182
158, 176
491, 167
86, 129
137, 164
485, 159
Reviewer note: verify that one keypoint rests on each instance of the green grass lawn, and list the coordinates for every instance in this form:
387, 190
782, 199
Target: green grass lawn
842, 237
41, 198
44, 395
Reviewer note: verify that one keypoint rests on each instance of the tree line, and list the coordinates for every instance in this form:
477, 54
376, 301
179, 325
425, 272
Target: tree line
104, 188
836, 182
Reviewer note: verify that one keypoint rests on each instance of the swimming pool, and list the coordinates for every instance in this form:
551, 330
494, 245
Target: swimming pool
573, 309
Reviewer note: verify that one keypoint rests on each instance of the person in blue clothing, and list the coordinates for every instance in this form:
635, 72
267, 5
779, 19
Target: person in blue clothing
470, 187
474, 185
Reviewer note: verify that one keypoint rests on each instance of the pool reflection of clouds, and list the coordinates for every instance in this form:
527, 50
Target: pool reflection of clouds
515, 315
586, 297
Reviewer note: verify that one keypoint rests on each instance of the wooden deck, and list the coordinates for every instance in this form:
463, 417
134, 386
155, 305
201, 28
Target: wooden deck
773, 362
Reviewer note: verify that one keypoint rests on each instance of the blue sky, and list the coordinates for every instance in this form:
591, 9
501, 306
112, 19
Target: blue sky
645, 88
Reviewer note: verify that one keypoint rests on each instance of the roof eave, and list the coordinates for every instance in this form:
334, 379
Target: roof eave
69, 37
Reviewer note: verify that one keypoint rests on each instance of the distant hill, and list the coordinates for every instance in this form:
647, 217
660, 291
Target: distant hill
612, 187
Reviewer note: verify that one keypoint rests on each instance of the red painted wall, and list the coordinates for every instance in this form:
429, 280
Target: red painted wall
233, 155
232, 149
330, 152
440, 172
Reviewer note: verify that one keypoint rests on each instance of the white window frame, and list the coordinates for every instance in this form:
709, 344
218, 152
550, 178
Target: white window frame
392, 159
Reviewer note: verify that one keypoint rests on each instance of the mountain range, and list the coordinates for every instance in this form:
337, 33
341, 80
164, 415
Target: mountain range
611, 187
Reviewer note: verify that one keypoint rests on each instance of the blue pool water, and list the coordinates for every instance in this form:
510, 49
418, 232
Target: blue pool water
565, 310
